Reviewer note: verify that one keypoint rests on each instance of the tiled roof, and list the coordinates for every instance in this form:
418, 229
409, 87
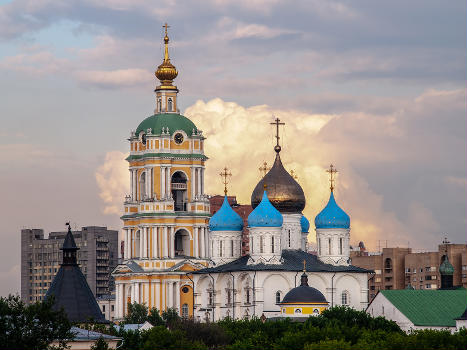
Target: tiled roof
84, 334
429, 307
292, 260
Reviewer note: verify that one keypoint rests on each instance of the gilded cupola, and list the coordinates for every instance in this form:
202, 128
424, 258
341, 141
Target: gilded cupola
166, 72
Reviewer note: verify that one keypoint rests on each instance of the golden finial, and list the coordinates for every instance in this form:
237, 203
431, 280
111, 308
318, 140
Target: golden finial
277, 122
293, 174
265, 186
166, 72
304, 265
225, 175
264, 169
331, 172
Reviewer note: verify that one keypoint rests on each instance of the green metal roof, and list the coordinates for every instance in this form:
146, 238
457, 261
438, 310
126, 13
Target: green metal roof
173, 121
429, 307
167, 155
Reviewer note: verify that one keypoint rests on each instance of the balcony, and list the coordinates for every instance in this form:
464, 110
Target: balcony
178, 186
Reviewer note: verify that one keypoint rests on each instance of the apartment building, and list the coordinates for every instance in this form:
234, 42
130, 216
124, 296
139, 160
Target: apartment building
41, 258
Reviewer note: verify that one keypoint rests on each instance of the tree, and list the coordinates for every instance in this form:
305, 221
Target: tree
155, 318
170, 316
100, 344
137, 313
33, 326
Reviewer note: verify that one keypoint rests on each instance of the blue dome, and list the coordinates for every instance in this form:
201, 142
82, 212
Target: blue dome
332, 216
265, 215
226, 219
305, 224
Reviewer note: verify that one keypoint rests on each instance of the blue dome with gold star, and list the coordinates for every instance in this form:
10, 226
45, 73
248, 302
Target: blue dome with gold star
332, 216
305, 224
265, 215
226, 219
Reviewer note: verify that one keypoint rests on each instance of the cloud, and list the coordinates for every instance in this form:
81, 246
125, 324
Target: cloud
113, 182
116, 78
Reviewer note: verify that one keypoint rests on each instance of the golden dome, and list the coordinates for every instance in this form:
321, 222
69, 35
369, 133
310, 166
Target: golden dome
166, 72
283, 191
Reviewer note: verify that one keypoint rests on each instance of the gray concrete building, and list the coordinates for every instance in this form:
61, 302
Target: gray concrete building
41, 258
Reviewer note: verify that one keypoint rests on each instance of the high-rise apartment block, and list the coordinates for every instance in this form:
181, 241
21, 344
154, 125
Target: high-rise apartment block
397, 268
41, 258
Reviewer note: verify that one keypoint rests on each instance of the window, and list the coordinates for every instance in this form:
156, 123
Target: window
289, 238
229, 296
112, 308
319, 246
231, 248
220, 248
278, 297
247, 296
340, 246
103, 308
428, 286
169, 105
159, 104
329, 246
251, 245
345, 297
272, 244
185, 310
261, 244
378, 272
210, 298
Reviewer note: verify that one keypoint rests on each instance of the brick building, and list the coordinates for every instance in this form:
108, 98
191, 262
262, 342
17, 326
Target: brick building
396, 268
241, 209
41, 258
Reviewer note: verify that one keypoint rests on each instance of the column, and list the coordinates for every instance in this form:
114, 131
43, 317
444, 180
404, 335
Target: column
148, 182
145, 242
137, 292
135, 184
199, 181
157, 295
201, 242
207, 251
192, 181
132, 193
202, 181
172, 242
132, 295
154, 241
195, 242
168, 182
162, 182
170, 294
165, 242
118, 297
177, 297
140, 242
163, 296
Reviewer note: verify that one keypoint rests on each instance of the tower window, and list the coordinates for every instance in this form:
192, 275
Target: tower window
272, 244
169, 105
261, 244
278, 297
220, 248
159, 105
329, 246
185, 310
345, 298
251, 245
247, 296
231, 248
319, 246
289, 238
340, 246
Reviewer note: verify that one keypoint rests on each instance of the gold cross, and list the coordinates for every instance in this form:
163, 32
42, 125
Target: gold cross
264, 169
165, 26
277, 122
331, 172
225, 175
293, 174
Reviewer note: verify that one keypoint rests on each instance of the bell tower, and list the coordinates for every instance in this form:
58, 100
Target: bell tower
166, 213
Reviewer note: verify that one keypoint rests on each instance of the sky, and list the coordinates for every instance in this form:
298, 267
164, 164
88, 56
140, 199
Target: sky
376, 88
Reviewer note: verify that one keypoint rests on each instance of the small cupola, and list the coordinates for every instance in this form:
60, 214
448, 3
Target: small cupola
304, 224
226, 219
265, 215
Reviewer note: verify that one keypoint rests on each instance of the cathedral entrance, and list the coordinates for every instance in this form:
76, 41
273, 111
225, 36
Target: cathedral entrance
179, 193
182, 243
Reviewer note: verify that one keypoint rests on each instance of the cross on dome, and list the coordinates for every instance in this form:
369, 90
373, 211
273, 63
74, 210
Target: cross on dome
264, 169
225, 175
331, 172
277, 122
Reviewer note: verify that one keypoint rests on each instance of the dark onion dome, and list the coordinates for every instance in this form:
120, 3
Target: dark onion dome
265, 215
304, 294
172, 121
226, 219
283, 191
446, 267
305, 224
71, 290
332, 216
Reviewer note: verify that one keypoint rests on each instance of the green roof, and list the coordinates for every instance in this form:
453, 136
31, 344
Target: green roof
446, 267
429, 307
173, 121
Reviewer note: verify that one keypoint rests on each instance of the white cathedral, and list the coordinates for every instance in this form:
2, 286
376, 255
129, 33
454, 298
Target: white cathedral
177, 257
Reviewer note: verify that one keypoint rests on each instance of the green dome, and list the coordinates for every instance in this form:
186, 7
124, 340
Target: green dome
167, 120
446, 267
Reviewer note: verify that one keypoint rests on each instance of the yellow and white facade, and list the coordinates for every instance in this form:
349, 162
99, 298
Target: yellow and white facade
165, 234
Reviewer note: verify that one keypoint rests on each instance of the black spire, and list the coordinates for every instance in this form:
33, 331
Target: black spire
70, 288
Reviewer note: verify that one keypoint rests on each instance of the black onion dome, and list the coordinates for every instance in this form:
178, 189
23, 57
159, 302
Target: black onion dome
304, 294
283, 191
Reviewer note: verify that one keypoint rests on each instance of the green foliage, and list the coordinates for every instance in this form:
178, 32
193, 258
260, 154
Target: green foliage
155, 318
160, 338
100, 344
170, 317
32, 326
131, 339
332, 344
137, 313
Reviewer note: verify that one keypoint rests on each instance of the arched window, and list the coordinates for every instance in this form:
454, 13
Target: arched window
319, 246
345, 298
251, 245
169, 105
340, 245
159, 105
272, 244
261, 244
185, 310
278, 297
142, 186
247, 296
220, 248
329, 246
231, 248
289, 238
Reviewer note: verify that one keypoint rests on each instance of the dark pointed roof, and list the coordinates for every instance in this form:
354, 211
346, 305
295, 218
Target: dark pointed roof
303, 294
71, 290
